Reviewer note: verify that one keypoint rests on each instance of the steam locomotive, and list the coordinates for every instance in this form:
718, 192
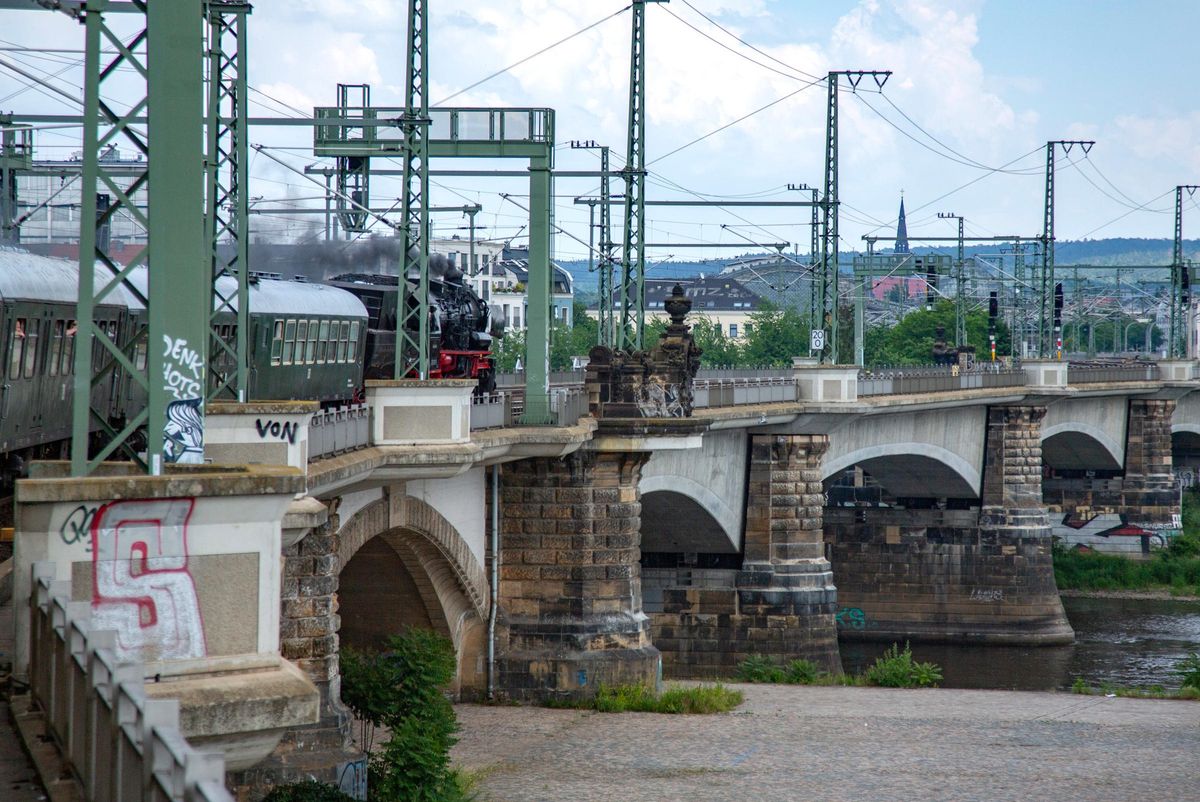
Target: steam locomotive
307, 340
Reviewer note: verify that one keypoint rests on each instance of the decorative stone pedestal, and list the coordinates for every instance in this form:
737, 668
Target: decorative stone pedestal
570, 582
415, 412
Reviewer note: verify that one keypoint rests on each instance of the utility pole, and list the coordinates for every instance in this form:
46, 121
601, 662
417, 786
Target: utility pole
960, 290
827, 307
604, 308
1049, 335
633, 254
1180, 342
412, 314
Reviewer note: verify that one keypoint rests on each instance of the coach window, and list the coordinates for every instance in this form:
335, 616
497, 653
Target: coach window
18, 346
344, 333
56, 343
310, 354
301, 340
277, 344
322, 340
31, 349
68, 354
352, 347
289, 345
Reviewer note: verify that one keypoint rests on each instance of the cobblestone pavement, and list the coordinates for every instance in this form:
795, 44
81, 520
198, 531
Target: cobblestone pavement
806, 743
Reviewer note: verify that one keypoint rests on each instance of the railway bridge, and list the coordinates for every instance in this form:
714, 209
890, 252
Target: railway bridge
613, 545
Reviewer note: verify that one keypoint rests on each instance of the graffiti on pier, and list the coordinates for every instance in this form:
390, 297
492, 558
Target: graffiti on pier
352, 778
987, 594
141, 586
273, 428
850, 618
183, 379
78, 526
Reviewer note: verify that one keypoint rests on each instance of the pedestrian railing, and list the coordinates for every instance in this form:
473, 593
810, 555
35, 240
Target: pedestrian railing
120, 745
339, 429
491, 411
568, 405
728, 392
934, 379
743, 373
1097, 374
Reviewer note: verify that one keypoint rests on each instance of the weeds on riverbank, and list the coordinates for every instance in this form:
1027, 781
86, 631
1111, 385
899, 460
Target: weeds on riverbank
1188, 670
695, 699
894, 669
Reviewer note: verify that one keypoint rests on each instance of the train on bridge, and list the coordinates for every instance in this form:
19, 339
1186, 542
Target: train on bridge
307, 340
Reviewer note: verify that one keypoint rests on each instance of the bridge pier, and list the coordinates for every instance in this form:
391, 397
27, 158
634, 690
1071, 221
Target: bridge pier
1124, 513
957, 575
570, 581
781, 604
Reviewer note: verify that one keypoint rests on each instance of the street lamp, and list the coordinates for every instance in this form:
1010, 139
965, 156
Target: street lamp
1125, 338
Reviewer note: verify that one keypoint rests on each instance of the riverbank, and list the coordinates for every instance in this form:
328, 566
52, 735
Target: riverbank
837, 743
1164, 594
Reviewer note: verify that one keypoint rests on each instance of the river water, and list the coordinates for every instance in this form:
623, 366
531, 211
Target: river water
1128, 642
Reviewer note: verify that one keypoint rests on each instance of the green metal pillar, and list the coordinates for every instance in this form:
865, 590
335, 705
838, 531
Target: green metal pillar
354, 172
537, 334
1179, 340
633, 258
1046, 275
180, 267
16, 154
412, 318
228, 196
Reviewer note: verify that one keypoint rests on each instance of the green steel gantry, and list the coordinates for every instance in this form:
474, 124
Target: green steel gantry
1181, 283
167, 357
1049, 342
827, 291
228, 196
412, 315
16, 156
633, 249
960, 284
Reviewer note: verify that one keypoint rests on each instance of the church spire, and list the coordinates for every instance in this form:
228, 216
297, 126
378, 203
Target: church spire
901, 229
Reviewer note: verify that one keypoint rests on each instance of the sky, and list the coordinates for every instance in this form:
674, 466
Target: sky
960, 127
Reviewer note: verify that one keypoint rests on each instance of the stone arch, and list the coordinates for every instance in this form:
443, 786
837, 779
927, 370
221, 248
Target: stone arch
911, 470
1081, 446
451, 583
677, 497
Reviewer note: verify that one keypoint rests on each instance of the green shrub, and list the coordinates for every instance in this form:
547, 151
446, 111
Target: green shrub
757, 668
801, 672
897, 669
308, 791
694, 699
1080, 686
1188, 670
401, 689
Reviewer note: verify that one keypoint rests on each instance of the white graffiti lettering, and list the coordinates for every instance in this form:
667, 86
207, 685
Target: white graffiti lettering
141, 586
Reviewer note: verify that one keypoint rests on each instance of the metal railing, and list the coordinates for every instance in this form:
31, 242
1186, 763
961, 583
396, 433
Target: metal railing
1097, 374
735, 372
121, 745
568, 405
556, 378
707, 393
491, 411
337, 430
934, 379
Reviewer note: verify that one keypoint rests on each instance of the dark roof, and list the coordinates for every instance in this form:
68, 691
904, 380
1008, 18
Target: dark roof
709, 293
520, 270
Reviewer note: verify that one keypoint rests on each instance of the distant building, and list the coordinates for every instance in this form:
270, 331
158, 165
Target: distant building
901, 230
719, 299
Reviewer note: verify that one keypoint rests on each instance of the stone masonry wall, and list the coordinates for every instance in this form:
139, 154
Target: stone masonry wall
957, 576
570, 581
782, 603
1146, 495
308, 637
